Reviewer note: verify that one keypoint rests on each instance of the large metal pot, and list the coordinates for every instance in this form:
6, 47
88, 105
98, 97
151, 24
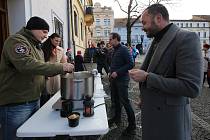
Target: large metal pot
77, 85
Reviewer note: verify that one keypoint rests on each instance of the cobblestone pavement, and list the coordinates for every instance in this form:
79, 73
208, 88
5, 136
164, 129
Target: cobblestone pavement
115, 132
200, 114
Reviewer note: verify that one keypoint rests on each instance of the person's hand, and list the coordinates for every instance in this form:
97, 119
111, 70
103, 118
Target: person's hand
138, 103
138, 75
68, 67
113, 75
64, 59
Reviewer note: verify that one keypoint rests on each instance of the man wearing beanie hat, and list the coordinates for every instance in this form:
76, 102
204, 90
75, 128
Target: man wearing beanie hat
37, 23
22, 75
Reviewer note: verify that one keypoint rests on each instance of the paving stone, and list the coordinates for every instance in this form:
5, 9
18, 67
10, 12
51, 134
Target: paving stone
200, 109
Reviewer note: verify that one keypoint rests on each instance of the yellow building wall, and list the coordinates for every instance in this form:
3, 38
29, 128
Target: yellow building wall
79, 40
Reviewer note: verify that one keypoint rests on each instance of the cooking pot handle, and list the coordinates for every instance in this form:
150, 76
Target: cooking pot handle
94, 72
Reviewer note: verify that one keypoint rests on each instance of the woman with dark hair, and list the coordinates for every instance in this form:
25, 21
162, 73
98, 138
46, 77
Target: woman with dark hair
53, 53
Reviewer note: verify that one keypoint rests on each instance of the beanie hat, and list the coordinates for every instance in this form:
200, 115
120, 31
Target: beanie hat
79, 52
37, 23
206, 46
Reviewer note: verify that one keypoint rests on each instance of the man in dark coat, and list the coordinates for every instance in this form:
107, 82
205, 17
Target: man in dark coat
120, 64
170, 75
101, 58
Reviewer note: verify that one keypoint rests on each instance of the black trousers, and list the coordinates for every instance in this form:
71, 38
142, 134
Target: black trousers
100, 66
119, 95
204, 78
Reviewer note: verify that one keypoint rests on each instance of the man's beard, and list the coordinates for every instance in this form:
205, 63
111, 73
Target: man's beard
153, 30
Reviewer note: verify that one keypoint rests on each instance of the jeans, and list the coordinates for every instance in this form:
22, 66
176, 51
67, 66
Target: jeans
208, 78
12, 117
119, 95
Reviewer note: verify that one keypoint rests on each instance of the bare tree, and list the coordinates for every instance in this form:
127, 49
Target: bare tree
133, 10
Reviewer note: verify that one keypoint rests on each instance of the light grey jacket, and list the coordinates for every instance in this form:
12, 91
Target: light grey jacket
175, 75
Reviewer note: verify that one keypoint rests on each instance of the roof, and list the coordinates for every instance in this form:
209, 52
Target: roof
201, 17
121, 22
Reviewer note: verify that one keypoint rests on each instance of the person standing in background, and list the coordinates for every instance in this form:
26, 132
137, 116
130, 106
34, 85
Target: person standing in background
101, 58
69, 56
53, 53
206, 62
134, 53
119, 79
92, 51
79, 66
171, 74
22, 75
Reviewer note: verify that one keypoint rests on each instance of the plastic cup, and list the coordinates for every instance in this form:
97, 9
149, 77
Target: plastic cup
73, 119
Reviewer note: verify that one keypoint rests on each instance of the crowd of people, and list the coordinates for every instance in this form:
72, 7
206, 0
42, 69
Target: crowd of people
167, 78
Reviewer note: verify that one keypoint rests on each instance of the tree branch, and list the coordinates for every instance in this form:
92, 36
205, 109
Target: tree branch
135, 20
133, 9
134, 6
121, 7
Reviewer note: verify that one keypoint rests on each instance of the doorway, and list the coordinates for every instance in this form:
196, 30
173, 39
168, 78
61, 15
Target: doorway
4, 26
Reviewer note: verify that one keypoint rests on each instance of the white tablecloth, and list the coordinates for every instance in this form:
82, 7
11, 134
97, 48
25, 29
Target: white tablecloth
47, 122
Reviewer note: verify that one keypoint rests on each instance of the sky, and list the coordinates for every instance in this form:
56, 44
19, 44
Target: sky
182, 9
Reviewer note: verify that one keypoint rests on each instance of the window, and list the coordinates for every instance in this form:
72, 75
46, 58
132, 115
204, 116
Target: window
106, 32
203, 24
75, 24
181, 24
81, 31
97, 22
186, 24
199, 34
177, 24
107, 22
59, 29
98, 33
190, 24
204, 34
133, 38
197, 24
